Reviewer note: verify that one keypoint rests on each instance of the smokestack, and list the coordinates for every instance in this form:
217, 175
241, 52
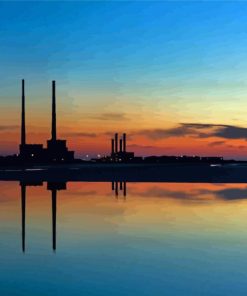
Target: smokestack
54, 127
116, 143
112, 146
121, 145
124, 142
23, 125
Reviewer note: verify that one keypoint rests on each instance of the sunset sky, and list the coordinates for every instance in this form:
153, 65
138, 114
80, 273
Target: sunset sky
172, 75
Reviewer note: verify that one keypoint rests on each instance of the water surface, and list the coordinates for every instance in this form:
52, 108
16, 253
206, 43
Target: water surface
123, 239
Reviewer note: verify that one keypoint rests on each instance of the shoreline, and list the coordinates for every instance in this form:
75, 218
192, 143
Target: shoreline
191, 173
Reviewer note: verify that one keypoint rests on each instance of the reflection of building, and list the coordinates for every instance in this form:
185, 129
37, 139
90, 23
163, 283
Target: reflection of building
56, 150
50, 186
119, 186
54, 187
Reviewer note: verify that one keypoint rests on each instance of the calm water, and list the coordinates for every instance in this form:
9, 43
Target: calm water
159, 239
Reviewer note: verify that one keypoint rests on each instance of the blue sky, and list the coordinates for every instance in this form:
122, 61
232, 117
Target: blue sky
159, 62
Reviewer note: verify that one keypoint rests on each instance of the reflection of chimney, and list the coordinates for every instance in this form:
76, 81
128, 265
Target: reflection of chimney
124, 142
112, 146
54, 128
116, 189
23, 126
23, 214
54, 217
121, 145
116, 143
125, 189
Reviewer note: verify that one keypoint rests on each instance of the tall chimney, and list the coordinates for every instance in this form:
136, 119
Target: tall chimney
23, 125
116, 143
112, 146
121, 145
54, 127
124, 142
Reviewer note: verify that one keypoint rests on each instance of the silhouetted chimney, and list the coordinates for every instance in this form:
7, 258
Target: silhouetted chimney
112, 146
121, 145
54, 127
116, 143
23, 125
124, 142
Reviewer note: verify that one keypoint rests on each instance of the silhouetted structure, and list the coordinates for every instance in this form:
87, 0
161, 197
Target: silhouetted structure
28, 152
118, 151
56, 150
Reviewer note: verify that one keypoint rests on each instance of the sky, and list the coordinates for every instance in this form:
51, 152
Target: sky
172, 75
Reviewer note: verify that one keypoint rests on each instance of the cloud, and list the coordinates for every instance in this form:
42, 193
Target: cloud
197, 130
157, 191
216, 143
232, 193
80, 134
199, 195
8, 127
141, 146
110, 116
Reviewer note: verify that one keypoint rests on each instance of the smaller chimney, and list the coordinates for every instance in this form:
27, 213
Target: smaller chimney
121, 145
116, 143
124, 142
112, 146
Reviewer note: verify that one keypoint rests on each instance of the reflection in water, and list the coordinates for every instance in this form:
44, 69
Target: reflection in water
184, 192
174, 237
23, 212
53, 187
122, 185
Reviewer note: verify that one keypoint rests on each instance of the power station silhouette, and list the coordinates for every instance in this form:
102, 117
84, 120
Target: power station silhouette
56, 150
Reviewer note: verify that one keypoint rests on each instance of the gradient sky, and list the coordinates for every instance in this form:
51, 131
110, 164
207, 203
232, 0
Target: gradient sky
170, 74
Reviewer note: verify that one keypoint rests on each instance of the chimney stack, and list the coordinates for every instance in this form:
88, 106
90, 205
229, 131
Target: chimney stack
23, 125
112, 146
116, 143
124, 142
54, 127
121, 145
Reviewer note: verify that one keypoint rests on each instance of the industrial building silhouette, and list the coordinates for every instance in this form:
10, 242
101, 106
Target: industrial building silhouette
118, 150
56, 150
